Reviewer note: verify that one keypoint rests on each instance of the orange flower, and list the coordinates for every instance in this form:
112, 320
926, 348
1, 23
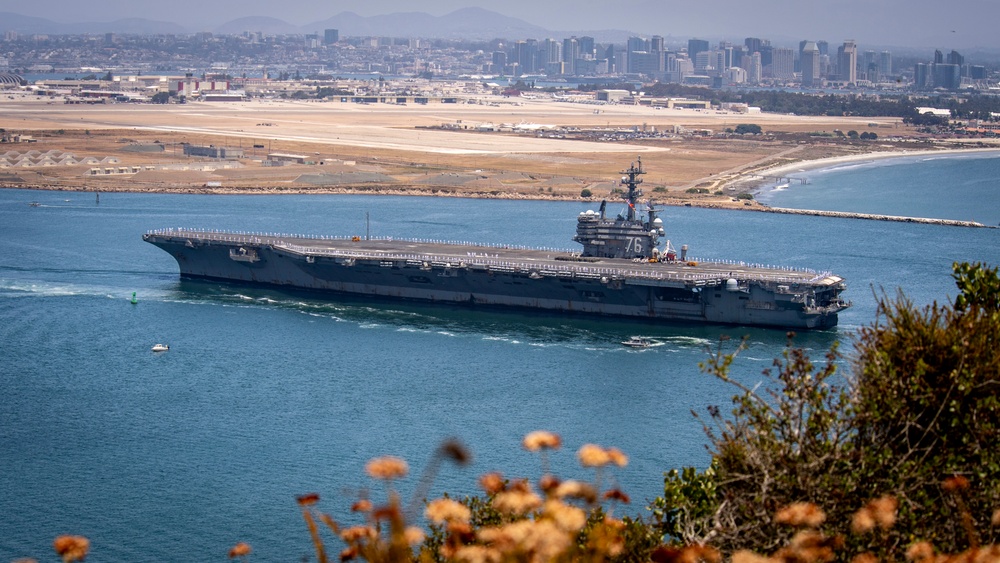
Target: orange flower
576, 489
307, 499
617, 457
800, 514
71, 548
591, 455
492, 483
444, 510
568, 518
548, 483
241, 549
617, 494
863, 521
744, 556
363, 505
955, 483
413, 535
920, 551
358, 533
387, 468
541, 439
516, 502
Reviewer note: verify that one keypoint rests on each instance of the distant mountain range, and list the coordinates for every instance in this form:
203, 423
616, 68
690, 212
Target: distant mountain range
466, 23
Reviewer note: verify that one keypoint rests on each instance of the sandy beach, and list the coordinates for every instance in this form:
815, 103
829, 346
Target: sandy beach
836, 161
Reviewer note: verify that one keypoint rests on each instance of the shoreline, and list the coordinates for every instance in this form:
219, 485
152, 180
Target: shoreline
834, 162
782, 170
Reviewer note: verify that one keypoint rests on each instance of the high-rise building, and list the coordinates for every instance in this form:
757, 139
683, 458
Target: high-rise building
782, 63
921, 75
847, 62
869, 65
751, 64
703, 61
885, 64
499, 61
551, 51
753, 44
570, 53
956, 58
947, 76
810, 65
636, 51
331, 36
586, 47
824, 48
696, 46
525, 56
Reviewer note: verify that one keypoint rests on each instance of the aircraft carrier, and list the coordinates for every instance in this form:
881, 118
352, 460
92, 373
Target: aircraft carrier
621, 272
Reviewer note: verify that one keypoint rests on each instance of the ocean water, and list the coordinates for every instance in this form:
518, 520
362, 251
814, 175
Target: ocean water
964, 187
265, 395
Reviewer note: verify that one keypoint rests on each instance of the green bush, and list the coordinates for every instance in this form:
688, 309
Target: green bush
921, 405
585, 192
748, 129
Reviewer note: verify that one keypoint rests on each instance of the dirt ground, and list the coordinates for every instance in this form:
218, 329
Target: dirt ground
415, 149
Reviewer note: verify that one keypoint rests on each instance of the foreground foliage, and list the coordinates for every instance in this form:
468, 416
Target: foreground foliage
922, 405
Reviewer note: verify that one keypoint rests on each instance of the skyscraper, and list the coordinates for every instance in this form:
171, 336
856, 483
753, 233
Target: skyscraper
570, 53
869, 65
751, 64
331, 36
753, 44
782, 63
810, 65
525, 56
885, 64
696, 46
847, 62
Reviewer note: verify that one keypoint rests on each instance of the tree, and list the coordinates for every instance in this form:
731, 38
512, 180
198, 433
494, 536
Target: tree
160, 98
922, 404
748, 128
585, 192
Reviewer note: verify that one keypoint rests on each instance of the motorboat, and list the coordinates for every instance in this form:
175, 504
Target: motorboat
160, 347
637, 342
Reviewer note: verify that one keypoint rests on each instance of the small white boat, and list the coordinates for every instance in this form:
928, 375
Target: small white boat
637, 342
160, 347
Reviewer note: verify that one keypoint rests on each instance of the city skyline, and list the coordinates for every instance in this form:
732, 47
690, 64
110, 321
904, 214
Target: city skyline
905, 23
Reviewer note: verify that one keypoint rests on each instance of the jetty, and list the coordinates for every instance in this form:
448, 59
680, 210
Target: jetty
878, 217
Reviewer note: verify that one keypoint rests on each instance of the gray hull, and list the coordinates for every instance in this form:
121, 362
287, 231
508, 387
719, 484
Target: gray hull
504, 277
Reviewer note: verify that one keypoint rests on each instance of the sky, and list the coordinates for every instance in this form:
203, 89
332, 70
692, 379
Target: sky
917, 23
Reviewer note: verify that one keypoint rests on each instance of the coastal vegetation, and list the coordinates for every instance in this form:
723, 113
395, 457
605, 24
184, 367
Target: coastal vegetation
894, 459
972, 106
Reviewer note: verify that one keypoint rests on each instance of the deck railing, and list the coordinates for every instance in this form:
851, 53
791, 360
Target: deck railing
569, 269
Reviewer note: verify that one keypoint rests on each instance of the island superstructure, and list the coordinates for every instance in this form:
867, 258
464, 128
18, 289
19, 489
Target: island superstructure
621, 272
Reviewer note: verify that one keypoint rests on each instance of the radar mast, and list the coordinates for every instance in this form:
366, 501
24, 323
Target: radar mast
631, 179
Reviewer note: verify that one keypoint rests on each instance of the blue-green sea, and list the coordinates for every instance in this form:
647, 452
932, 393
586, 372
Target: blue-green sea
265, 395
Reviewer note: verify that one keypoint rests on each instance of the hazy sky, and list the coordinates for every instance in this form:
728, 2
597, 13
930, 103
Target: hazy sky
934, 23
